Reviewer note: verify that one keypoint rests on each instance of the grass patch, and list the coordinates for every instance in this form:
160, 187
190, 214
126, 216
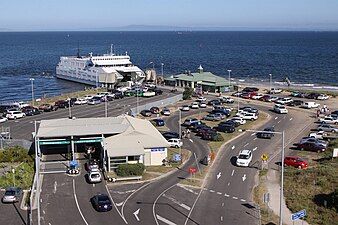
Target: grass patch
22, 176
313, 189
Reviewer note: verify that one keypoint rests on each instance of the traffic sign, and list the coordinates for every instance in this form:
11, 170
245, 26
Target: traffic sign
192, 170
264, 157
298, 215
177, 157
266, 197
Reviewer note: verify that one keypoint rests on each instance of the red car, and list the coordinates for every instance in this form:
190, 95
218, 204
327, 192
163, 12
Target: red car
248, 95
295, 161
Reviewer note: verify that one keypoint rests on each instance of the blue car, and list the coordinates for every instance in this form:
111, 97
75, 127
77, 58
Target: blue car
159, 122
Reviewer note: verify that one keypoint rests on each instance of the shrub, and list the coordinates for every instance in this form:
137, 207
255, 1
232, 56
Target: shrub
125, 170
187, 93
15, 154
218, 137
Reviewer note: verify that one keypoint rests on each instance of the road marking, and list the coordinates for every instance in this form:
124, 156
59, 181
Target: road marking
242, 200
136, 214
229, 184
164, 220
219, 193
254, 149
255, 139
226, 195
244, 177
232, 173
253, 134
246, 144
222, 204
43, 211
279, 121
219, 175
162, 193
273, 125
121, 214
177, 202
55, 184
119, 204
187, 189
212, 191
77, 204
291, 119
191, 140
233, 147
276, 117
234, 197
221, 218
93, 185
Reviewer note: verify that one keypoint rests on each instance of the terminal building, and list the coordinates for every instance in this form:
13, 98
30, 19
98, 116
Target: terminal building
206, 81
111, 140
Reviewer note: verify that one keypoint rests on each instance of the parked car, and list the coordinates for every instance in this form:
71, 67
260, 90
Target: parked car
94, 177
87, 97
317, 135
247, 116
185, 108
322, 97
226, 99
158, 91
257, 96
175, 142
283, 101
158, 122
329, 120
154, 110
250, 89
334, 112
275, 91
327, 128
211, 135
310, 105
80, 101
118, 95
267, 133
12, 194
226, 128
94, 101
244, 158
202, 105
295, 102
239, 120
169, 135
212, 117
146, 113
165, 112
295, 161
221, 115
31, 111
189, 121
312, 95
225, 112
248, 95
63, 104
313, 140
101, 203
298, 94
3, 119
266, 98
214, 102
194, 105
48, 107
312, 146
201, 99
13, 115
230, 123
281, 109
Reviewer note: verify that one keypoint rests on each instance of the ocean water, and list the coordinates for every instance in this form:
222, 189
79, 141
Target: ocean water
304, 57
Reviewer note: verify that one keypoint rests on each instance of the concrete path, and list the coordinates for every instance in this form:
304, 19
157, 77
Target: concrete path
273, 187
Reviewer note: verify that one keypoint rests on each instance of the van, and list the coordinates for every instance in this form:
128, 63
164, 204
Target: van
175, 142
310, 105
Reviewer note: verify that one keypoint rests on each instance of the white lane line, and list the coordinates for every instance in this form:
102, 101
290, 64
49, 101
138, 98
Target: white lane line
212, 191
234, 197
77, 203
187, 189
226, 195
222, 204
233, 147
154, 204
164, 220
232, 173
279, 121
191, 140
255, 139
219, 193
276, 117
254, 149
291, 119
242, 200
177, 202
119, 204
229, 184
246, 144
221, 218
121, 215
192, 208
273, 125
253, 134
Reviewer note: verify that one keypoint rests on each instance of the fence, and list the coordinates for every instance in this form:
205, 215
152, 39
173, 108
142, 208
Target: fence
14, 142
161, 103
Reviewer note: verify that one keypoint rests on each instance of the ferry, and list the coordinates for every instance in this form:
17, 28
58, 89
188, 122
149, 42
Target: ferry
106, 70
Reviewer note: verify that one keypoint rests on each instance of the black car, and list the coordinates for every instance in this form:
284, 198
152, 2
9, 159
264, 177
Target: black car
266, 134
118, 95
227, 128
295, 102
63, 104
196, 127
222, 111
168, 135
211, 136
101, 203
158, 122
192, 125
229, 123
214, 102
250, 89
31, 111
312, 95
154, 110
158, 92
335, 112
146, 113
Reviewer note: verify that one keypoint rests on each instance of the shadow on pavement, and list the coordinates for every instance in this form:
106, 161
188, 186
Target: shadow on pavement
18, 212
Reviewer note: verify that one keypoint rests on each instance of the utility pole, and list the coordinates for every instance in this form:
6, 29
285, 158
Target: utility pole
69, 109
281, 195
32, 85
106, 106
229, 79
270, 81
162, 64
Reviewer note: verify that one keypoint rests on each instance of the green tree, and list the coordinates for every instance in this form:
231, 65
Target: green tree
187, 93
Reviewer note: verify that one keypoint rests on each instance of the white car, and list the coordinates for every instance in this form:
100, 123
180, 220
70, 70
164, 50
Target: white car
88, 97
21, 104
329, 120
244, 158
239, 120
185, 108
203, 105
281, 109
3, 119
275, 91
323, 97
247, 116
81, 101
201, 99
94, 176
318, 135
175, 142
226, 99
310, 105
284, 101
257, 97
165, 112
194, 105
13, 115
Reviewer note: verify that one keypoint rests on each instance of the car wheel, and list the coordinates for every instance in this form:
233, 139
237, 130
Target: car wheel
302, 149
299, 167
252, 119
333, 131
176, 146
15, 117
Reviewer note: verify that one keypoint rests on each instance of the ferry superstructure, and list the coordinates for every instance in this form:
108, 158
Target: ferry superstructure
100, 70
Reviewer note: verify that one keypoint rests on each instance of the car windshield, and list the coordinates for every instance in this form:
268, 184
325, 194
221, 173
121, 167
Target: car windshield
243, 156
10, 193
103, 199
95, 175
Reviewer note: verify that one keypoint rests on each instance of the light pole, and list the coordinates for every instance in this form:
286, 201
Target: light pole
229, 79
37, 173
32, 84
69, 109
162, 64
180, 129
106, 106
270, 81
238, 97
281, 191
137, 101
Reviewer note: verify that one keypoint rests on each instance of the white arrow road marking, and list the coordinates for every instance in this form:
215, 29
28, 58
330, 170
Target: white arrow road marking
242, 200
229, 184
219, 193
221, 218
291, 119
255, 148
55, 184
164, 220
233, 147
276, 117
136, 214
234, 197
232, 173
219, 175
279, 121
212, 191
119, 204
191, 140
273, 125
244, 177
226, 195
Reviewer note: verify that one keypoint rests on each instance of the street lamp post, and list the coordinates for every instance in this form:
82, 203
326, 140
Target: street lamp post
162, 64
238, 98
69, 109
32, 85
106, 106
180, 129
281, 191
136, 101
270, 81
229, 79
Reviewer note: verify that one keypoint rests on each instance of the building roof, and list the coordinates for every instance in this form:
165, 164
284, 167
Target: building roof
81, 127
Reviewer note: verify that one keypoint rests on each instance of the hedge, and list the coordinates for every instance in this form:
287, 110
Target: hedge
125, 170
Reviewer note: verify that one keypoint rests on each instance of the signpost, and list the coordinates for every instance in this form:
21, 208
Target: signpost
298, 215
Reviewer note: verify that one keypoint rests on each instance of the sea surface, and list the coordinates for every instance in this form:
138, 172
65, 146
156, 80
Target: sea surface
304, 57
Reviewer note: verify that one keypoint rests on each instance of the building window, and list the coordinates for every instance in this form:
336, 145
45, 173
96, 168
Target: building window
134, 158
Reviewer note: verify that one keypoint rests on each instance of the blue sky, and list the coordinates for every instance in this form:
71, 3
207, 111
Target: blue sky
108, 14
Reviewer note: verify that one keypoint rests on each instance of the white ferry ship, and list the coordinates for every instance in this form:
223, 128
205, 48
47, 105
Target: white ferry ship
101, 71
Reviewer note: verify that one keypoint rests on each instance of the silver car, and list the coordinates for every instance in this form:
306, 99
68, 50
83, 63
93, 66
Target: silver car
327, 128
11, 195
